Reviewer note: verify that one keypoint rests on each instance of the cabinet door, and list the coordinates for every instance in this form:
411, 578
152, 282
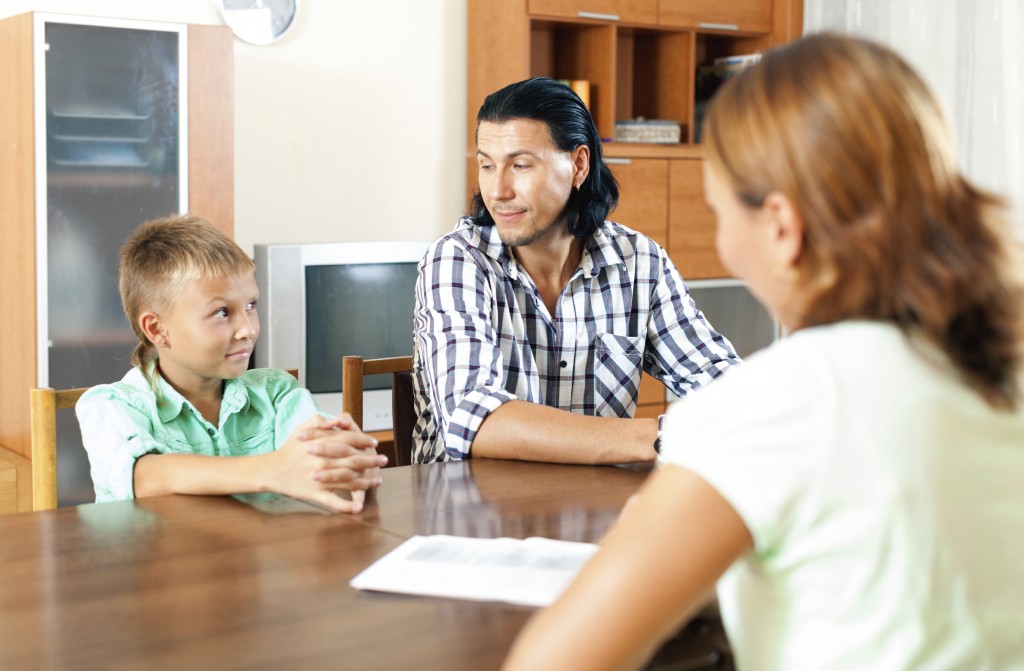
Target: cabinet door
651, 400
691, 225
643, 196
627, 11
652, 391
114, 135
113, 142
498, 50
743, 15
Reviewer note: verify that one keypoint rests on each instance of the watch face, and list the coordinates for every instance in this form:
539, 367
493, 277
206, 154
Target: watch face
259, 21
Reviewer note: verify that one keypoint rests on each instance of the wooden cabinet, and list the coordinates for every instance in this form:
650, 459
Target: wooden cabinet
627, 11
691, 224
647, 182
638, 64
639, 56
103, 124
740, 15
650, 401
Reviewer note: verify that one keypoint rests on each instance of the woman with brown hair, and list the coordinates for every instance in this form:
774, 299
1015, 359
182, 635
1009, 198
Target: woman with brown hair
855, 489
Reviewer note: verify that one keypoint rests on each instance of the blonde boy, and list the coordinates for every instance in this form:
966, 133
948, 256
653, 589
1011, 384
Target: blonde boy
190, 294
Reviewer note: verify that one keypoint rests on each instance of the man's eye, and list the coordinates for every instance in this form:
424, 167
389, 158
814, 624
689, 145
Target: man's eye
486, 168
252, 305
521, 166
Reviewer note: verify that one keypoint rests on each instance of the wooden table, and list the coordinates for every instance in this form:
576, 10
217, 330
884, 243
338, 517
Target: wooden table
181, 582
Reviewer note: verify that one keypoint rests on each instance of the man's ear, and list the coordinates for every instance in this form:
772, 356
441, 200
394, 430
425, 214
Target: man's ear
580, 165
787, 228
149, 323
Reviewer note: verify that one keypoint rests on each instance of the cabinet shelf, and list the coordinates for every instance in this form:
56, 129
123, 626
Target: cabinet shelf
643, 150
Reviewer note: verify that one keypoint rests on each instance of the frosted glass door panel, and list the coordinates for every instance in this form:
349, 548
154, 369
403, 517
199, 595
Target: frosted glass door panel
113, 149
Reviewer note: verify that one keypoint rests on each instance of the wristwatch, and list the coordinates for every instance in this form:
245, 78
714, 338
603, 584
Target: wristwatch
657, 441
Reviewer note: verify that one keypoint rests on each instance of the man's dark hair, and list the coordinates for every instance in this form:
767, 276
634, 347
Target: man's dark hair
570, 124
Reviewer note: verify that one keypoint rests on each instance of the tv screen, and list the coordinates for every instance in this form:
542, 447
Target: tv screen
356, 309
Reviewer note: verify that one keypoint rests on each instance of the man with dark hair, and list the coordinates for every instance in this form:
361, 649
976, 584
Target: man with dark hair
535, 317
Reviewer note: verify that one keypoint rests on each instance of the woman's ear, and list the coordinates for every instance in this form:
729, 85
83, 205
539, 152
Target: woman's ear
787, 228
149, 324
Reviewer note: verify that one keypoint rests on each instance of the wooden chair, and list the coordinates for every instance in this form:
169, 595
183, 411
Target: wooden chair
403, 412
44, 403
43, 406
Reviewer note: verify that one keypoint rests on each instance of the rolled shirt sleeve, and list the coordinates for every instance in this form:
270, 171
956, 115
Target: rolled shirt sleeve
459, 360
115, 434
685, 352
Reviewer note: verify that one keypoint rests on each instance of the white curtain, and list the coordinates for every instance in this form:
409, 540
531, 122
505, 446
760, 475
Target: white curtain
971, 52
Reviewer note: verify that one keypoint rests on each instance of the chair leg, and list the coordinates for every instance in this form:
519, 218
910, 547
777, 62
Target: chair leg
43, 413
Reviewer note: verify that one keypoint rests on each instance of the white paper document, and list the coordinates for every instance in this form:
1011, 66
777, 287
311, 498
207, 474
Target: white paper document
532, 572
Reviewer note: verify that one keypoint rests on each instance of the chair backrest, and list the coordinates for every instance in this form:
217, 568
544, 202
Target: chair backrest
354, 369
44, 403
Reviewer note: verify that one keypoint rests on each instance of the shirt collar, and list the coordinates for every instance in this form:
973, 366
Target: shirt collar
600, 252
170, 403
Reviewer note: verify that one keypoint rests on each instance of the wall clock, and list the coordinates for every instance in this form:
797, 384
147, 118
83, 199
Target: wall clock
259, 21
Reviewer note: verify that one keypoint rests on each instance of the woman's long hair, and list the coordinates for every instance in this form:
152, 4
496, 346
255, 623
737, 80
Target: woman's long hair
892, 230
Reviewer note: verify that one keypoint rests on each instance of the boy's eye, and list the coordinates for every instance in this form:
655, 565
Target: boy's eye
221, 312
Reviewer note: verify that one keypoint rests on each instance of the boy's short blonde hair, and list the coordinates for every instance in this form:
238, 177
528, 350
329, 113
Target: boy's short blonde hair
162, 258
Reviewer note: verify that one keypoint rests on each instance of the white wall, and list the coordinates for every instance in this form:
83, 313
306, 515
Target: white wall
971, 53
351, 127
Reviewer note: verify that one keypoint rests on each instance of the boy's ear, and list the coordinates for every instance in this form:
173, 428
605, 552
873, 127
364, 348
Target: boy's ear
149, 322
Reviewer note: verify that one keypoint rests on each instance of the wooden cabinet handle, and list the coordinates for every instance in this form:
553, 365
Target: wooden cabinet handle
599, 17
719, 26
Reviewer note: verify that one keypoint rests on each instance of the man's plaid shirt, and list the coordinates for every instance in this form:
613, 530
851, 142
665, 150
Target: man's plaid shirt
484, 337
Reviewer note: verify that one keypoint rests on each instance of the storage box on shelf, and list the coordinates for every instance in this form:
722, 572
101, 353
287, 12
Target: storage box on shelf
641, 58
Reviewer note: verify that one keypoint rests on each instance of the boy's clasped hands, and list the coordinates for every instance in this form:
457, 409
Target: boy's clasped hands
325, 455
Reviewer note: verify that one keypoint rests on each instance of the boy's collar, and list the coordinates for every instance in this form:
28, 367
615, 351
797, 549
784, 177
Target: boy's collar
170, 402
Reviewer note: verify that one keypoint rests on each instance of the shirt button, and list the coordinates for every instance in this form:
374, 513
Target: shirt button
211, 432
563, 364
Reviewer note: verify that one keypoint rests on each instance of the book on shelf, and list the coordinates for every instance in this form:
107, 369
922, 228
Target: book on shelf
712, 76
741, 61
581, 87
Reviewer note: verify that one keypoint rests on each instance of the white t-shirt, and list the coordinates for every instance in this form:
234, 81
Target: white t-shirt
885, 499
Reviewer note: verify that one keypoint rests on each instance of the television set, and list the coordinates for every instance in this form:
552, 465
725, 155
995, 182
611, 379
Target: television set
320, 302
734, 312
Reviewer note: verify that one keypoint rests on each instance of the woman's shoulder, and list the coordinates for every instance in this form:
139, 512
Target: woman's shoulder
854, 346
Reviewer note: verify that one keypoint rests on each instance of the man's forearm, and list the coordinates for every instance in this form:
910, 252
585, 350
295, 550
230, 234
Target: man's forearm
533, 432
